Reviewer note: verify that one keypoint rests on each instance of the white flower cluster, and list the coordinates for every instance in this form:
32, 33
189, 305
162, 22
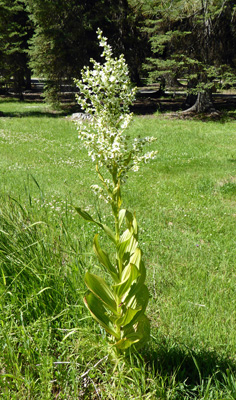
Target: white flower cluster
105, 92
100, 192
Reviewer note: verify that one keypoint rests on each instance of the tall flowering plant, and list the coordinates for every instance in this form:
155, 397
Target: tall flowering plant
105, 93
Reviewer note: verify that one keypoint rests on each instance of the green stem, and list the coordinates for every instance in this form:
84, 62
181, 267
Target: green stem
116, 211
117, 230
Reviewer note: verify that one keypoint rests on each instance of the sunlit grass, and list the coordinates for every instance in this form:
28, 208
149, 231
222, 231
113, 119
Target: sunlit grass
186, 208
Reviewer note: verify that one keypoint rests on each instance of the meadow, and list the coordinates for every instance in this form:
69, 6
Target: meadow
185, 203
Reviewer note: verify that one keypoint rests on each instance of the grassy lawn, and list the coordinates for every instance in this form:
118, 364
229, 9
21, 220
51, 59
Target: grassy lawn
185, 203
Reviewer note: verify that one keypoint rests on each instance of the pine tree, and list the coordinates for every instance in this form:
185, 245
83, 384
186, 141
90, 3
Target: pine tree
65, 37
190, 40
15, 30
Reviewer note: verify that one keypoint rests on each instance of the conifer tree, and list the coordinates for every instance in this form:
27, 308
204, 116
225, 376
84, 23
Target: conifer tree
15, 30
65, 37
190, 40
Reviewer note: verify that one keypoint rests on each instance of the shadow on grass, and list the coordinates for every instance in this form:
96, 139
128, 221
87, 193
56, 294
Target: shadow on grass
168, 106
29, 109
187, 365
36, 114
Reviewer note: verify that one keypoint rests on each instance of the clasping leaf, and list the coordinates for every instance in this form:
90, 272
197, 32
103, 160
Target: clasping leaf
101, 290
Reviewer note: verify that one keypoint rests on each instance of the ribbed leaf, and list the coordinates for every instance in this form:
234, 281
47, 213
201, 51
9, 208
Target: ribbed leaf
136, 258
138, 302
85, 215
129, 219
140, 299
138, 285
129, 275
137, 334
121, 216
88, 217
99, 313
127, 234
109, 232
104, 259
129, 289
127, 318
125, 243
130, 270
133, 244
125, 343
101, 290
135, 225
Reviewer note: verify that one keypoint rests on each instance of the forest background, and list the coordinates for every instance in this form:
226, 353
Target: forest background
189, 45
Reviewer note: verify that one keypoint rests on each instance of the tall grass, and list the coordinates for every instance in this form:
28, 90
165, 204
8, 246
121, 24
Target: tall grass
49, 346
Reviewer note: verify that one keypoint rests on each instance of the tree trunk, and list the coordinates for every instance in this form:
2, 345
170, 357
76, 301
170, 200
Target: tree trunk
28, 79
190, 100
19, 84
162, 87
203, 104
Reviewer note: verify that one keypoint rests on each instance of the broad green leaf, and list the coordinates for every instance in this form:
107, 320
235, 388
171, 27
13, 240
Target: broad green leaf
135, 225
104, 259
136, 258
138, 334
88, 217
125, 343
138, 302
99, 313
109, 232
121, 216
127, 234
138, 285
132, 223
129, 219
140, 299
130, 270
122, 245
133, 244
129, 239
129, 274
101, 290
127, 244
127, 318
85, 215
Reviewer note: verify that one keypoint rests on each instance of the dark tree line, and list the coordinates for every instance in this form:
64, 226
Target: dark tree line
65, 36
165, 40
54, 39
15, 31
194, 41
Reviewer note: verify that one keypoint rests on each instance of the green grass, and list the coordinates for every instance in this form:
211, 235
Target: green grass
185, 202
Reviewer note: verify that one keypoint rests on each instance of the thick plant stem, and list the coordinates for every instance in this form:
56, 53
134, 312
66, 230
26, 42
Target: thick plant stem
117, 228
116, 210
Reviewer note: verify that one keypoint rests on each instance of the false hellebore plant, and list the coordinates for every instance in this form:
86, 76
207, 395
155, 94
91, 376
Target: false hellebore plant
105, 93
